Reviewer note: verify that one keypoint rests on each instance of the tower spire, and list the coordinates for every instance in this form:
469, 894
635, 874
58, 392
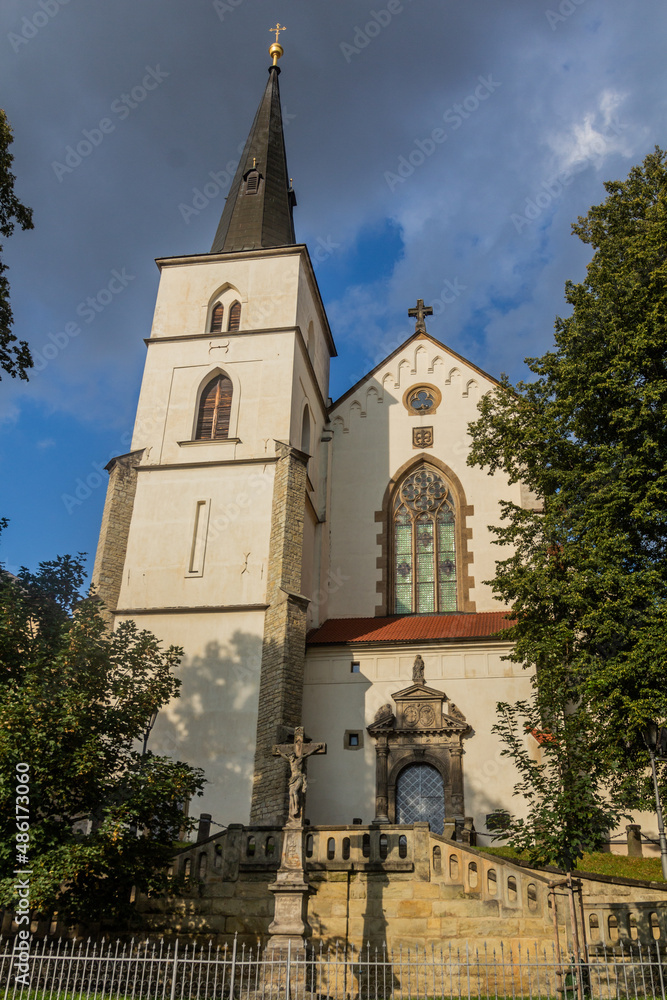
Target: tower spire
258, 210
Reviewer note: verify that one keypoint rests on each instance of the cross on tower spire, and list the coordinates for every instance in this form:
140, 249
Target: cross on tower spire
419, 313
276, 50
261, 217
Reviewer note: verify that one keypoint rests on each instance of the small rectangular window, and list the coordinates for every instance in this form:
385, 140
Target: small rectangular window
199, 534
353, 739
355, 667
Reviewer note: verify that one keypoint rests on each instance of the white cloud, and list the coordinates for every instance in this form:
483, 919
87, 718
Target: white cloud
595, 136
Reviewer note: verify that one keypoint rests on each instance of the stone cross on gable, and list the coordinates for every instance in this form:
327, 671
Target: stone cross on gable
296, 755
419, 313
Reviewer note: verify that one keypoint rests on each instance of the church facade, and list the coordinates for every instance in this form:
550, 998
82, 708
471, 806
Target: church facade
322, 564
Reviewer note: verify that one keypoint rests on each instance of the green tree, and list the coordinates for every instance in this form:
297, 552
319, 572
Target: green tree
587, 577
75, 699
15, 357
564, 789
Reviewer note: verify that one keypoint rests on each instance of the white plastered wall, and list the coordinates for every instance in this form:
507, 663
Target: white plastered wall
373, 440
232, 566
212, 725
341, 785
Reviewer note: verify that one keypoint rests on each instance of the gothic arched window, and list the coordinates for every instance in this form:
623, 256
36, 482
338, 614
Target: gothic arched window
424, 525
216, 319
234, 316
214, 408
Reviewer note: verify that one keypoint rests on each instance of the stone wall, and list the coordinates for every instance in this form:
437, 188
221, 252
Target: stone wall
283, 648
396, 886
112, 545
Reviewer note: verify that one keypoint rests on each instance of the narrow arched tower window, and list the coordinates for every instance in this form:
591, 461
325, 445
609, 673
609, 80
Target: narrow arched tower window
214, 409
424, 556
305, 432
216, 319
234, 316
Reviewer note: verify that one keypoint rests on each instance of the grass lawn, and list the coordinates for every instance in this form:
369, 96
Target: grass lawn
620, 865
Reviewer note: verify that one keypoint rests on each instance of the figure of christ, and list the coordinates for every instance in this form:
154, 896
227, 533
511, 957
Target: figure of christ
296, 755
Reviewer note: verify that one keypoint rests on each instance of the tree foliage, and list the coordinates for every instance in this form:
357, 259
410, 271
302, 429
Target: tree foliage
15, 357
587, 577
568, 812
74, 700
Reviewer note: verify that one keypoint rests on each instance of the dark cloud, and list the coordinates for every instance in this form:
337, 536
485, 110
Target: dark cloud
523, 92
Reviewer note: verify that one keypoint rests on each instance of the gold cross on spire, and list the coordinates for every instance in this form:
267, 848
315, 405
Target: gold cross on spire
419, 313
276, 49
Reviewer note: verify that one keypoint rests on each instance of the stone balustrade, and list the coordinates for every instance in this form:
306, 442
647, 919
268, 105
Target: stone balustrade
488, 877
407, 884
335, 848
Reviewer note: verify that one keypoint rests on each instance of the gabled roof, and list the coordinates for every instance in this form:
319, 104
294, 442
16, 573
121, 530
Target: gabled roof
417, 335
253, 221
411, 628
418, 692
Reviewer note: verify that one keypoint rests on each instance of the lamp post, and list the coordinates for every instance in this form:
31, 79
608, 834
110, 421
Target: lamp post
655, 738
149, 726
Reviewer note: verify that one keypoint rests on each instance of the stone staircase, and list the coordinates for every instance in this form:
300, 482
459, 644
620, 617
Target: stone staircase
398, 886
380, 886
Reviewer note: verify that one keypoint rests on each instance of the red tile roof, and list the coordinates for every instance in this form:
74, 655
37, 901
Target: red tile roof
410, 628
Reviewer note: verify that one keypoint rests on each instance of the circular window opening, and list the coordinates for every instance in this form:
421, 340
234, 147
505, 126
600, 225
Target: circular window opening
422, 400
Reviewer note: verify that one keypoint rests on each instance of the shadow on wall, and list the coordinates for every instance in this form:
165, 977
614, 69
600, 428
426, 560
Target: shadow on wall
213, 723
341, 785
481, 784
627, 925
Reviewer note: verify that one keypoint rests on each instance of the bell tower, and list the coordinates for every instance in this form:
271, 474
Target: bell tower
212, 534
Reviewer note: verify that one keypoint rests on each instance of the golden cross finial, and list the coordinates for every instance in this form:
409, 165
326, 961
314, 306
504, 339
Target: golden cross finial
276, 49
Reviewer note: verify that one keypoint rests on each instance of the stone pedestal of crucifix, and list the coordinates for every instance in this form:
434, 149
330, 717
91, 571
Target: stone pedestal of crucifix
290, 922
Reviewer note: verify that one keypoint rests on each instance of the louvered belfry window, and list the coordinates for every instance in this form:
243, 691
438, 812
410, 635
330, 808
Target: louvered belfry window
424, 524
216, 319
234, 316
214, 409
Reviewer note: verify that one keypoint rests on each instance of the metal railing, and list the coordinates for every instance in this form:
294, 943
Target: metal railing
161, 971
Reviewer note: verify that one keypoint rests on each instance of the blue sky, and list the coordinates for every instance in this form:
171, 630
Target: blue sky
439, 150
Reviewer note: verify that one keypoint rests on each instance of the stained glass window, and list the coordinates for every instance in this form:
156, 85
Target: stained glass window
424, 545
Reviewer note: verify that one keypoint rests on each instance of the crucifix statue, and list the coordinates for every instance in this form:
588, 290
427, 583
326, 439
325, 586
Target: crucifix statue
290, 921
419, 313
296, 755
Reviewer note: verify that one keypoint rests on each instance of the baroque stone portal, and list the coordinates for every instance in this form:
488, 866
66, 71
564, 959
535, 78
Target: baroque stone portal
425, 728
